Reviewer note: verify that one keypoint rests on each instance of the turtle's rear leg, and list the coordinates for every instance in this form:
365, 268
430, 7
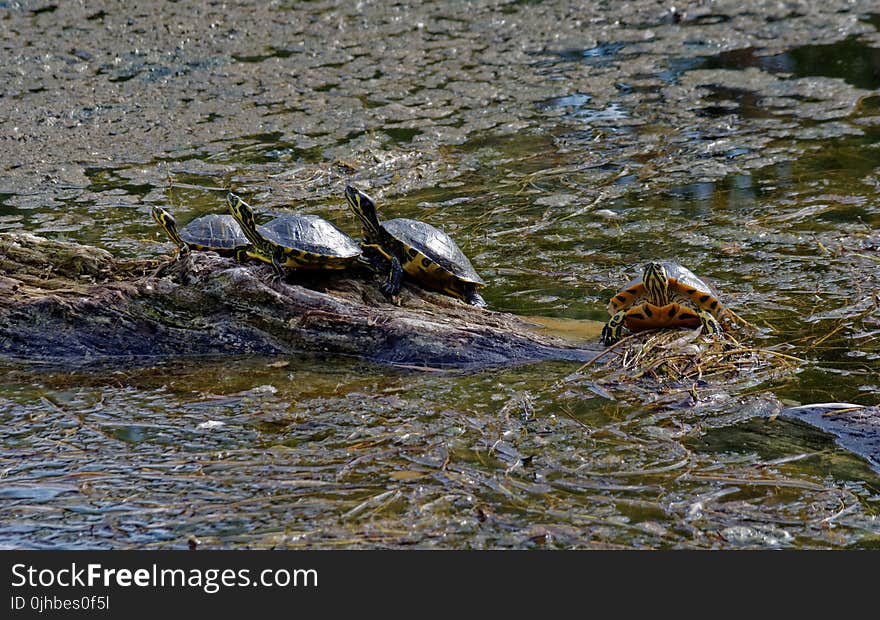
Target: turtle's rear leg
472, 297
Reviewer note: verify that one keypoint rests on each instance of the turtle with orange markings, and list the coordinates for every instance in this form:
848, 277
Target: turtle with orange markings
666, 295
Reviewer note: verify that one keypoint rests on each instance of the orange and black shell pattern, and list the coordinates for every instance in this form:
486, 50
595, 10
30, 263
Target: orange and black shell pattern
685, 301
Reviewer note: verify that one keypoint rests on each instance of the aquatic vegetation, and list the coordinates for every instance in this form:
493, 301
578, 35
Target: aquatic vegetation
562, 150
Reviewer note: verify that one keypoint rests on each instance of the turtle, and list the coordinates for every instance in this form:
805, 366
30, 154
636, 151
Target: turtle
666, 295
294, 240
215, 233
427, 254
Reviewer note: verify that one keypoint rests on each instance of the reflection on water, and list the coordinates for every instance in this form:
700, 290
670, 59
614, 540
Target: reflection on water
849, 60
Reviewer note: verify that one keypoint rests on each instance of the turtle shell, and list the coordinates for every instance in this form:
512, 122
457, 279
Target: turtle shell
687, 279
220, 232
426, 245
309, 233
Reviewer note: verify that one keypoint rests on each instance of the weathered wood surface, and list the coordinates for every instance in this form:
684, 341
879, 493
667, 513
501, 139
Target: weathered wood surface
62, 301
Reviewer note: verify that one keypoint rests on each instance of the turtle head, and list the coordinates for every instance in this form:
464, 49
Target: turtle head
161, 216
244, 215
656, 283
363, 207
166, 221
241, 211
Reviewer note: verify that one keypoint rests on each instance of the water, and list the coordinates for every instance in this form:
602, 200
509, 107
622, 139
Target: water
561, 157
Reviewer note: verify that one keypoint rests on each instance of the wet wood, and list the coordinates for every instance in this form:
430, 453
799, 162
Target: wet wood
65, 301
855, 427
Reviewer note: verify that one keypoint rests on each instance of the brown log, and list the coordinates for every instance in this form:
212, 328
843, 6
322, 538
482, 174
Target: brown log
64, 301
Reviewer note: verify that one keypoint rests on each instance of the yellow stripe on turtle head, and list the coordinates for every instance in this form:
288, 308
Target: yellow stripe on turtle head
244, 215
656, 283
365, 209
240, 209
167, 223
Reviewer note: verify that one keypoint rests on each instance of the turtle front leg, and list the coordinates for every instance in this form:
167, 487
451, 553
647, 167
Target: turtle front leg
243, 254
612, 329
710, 323
382, 263
391, 285
375, 260
182, 250
278, 264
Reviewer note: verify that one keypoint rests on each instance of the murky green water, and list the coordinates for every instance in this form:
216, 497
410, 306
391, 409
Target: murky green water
561, 156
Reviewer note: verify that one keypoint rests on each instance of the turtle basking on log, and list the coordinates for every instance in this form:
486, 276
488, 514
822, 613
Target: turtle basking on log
425, 253
63, 302
294, 241
209, 233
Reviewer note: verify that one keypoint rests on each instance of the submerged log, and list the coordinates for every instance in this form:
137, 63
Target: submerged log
64, 301
856, 428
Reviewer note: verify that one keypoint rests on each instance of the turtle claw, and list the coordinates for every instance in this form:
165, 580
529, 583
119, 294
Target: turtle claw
608, 338
163, 268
